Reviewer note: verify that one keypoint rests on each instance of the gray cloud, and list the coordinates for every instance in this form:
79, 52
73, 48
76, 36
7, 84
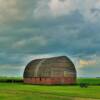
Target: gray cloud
23, 35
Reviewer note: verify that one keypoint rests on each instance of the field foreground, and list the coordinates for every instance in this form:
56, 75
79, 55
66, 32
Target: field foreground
20, 91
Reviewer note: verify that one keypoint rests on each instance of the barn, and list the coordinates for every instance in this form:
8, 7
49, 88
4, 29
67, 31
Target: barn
55, 70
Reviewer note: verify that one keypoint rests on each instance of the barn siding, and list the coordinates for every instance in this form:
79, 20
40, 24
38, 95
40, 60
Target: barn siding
48, 81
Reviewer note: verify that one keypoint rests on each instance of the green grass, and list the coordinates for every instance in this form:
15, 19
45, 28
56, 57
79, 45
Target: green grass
91, 81
21, 91
15, 78
15, 91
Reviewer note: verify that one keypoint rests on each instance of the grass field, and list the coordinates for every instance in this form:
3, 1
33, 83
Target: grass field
91, 81
20, 91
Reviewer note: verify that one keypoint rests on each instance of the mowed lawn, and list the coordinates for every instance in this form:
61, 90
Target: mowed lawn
20, 91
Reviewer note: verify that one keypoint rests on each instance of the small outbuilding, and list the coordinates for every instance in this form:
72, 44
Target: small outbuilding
55, 70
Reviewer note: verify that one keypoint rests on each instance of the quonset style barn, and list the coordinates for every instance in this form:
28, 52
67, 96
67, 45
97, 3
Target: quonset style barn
56, 70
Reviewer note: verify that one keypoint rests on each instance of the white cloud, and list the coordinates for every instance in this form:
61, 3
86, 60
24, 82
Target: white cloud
11, 70
12, 10
86, 62
89, 9
37, 56
41, 9
36, 40
61, 7
90, 62
54, 8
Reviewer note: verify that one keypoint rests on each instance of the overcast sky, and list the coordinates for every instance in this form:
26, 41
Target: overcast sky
31, 29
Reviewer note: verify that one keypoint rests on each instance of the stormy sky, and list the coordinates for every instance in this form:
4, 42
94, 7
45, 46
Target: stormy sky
31, 29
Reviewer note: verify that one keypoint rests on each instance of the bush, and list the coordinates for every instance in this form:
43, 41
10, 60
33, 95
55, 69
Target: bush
84, 85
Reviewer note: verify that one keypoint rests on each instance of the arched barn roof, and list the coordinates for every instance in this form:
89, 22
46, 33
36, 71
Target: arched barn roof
50, 67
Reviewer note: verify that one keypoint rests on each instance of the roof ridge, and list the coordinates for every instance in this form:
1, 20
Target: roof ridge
53, 57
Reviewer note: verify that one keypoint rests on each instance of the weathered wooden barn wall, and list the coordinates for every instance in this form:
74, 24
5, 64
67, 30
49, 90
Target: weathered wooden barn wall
60, 80
56, 70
